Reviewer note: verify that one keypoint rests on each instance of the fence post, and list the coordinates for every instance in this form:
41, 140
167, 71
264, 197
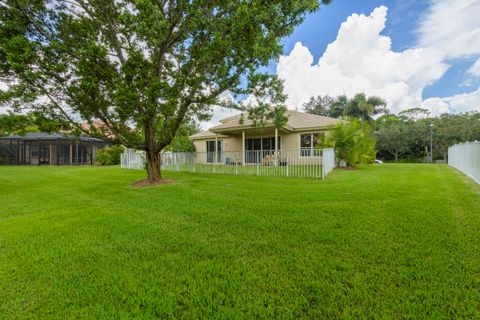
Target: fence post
287, 164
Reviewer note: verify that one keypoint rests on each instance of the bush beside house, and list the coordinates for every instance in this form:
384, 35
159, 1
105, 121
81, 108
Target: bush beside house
109, 156
353, 141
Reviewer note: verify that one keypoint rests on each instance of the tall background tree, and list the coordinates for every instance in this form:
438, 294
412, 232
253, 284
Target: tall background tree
392, 136
359, 106
143, 68
364, 108
414, 114
319, 105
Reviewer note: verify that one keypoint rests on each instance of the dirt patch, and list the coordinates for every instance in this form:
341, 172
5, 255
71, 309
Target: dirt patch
146, 183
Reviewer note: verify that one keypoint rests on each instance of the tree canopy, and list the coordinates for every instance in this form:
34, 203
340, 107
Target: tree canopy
407, 136
143, 68
359, 106
19, 124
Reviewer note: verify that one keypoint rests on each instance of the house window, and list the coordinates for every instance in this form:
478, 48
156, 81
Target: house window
212, 154
308, 144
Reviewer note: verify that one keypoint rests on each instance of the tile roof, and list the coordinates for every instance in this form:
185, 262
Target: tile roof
204, 135
296, 121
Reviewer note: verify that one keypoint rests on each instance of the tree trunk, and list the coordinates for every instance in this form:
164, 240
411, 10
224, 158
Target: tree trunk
396, 156
153, 166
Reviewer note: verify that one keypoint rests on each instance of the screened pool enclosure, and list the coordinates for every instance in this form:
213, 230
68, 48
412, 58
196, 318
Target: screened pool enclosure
38, 148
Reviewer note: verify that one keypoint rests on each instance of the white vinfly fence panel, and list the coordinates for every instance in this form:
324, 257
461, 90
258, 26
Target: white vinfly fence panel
328, 161
132, 159
292, 163
466, 158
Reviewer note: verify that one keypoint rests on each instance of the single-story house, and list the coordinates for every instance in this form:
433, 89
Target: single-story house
40, 148
234, 141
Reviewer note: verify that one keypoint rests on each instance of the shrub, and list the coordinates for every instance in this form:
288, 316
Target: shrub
109, 156
353, 141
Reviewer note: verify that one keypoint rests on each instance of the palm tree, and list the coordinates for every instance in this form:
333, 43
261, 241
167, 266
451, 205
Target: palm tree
364, 108
337, 107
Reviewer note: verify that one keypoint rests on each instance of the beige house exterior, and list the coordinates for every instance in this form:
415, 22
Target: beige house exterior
241, 143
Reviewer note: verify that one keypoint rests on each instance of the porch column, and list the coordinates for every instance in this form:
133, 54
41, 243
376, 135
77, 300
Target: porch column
276, 147
216, 149
243, 148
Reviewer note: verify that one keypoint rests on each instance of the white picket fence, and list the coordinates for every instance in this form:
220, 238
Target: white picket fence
328, 161
291, 163
466, 158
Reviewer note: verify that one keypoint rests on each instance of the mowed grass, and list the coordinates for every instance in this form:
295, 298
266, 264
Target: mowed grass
388, 241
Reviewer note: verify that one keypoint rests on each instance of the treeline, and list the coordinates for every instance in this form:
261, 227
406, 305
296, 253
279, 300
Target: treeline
406, 136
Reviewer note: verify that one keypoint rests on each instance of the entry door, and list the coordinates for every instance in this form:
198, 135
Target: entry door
44, 153
252, 147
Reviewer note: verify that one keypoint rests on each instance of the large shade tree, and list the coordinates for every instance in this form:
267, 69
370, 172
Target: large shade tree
143, 67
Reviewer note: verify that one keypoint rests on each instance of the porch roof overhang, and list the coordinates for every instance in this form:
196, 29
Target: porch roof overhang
248, 129
205, 135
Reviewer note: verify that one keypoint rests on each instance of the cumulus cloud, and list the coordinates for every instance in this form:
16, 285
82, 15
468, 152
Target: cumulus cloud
451, 27
458, 103
361, 60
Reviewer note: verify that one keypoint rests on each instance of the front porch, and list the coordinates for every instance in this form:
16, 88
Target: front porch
245, 147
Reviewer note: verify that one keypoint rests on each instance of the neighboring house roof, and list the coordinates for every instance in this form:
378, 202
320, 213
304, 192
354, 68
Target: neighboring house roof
297, 121
97, 124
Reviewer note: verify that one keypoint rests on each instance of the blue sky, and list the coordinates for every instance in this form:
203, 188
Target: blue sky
417, 25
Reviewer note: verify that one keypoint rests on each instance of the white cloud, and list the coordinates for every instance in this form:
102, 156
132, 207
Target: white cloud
451, 27
361, 60
458, 103
475, 69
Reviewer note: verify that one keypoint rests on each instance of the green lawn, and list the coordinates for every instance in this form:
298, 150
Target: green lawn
388, 241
